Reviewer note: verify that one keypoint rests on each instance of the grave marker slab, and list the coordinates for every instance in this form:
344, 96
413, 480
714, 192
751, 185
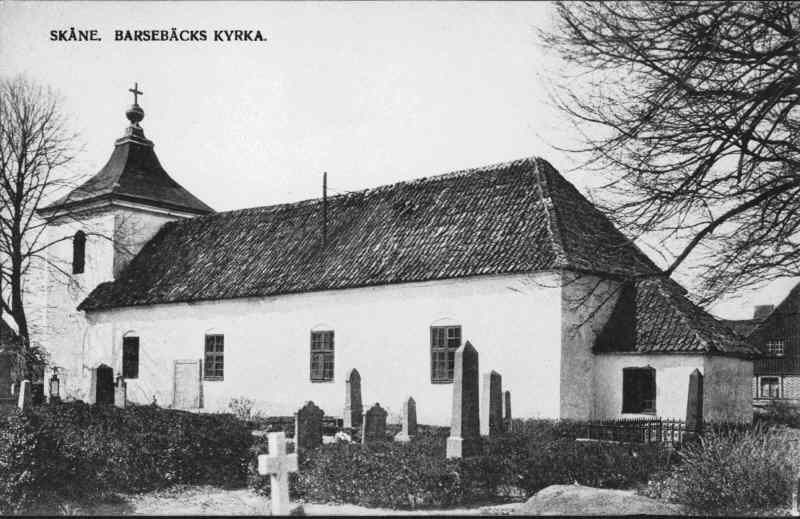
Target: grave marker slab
464, 439
353, 408
409, 421
507, 411
24, 399
120, 393
374, 425
308, 426
277, 464
694, 403
492, 408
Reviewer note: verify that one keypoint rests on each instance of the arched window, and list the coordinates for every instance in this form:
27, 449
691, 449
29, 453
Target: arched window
78, 252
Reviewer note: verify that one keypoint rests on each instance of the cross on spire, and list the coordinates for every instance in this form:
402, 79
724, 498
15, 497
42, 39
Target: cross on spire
136, 93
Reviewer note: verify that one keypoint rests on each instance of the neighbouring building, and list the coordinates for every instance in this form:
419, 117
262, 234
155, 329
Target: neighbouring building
278, 303
775, 332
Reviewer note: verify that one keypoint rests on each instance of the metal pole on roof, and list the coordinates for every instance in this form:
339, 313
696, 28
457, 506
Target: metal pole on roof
324, 208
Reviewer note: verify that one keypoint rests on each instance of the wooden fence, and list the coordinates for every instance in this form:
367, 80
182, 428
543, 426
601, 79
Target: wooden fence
639, 430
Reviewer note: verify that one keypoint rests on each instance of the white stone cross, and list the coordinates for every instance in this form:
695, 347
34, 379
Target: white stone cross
278, 465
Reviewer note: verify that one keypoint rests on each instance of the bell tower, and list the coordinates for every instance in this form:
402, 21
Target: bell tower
96, 229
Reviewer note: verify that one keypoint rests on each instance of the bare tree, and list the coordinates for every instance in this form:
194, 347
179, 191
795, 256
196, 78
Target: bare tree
34, 145
692, 109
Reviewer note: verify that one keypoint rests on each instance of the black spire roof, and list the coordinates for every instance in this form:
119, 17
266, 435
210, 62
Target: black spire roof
134, 174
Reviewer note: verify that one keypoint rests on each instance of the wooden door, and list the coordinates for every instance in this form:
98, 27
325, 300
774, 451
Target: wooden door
105, 385
188, 390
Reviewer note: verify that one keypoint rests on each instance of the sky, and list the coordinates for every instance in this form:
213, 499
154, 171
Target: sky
371, 93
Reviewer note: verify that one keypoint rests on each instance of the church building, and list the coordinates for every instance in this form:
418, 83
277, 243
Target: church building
277, 304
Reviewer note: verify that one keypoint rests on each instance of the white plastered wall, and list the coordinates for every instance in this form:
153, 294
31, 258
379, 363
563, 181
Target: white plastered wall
513, 321
726, 384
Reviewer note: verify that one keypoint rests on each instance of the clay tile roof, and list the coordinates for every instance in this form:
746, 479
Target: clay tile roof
654, 315
515, 217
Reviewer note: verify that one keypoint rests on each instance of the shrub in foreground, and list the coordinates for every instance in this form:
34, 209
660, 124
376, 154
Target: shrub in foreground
76, 450
736, 471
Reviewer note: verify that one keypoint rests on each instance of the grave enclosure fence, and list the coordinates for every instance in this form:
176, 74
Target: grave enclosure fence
640, 430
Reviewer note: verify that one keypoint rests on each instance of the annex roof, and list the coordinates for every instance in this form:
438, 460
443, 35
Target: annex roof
514, 217
653, 315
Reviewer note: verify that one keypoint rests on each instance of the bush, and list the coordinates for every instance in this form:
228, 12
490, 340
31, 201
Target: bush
77, 450
735, 471
780, 413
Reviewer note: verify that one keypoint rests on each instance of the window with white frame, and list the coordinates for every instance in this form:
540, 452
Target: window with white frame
214, 366
322, 356
775, 348
445, 340
770, 387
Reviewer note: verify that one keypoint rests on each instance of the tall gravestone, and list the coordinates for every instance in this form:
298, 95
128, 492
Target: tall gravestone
507, 423
91, 397
465, 439
308, 427
409, 421
24, 399
120, 392
694, 404
353, 409
492, 408
374, 429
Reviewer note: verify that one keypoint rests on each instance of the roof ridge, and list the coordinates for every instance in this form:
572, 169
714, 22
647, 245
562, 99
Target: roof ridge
552, 220
533, 160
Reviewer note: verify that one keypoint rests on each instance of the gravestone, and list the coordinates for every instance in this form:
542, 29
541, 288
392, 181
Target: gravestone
353, 407
308, 426
492, 408
507, 423
7, 362
24, 399
374, 429
465, 439
120, 392
277, 464
409, 420
694, 404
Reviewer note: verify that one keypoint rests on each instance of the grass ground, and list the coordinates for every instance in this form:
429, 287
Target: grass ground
209, 500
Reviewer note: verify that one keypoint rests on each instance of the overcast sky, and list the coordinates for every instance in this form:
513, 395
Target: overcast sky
372, 93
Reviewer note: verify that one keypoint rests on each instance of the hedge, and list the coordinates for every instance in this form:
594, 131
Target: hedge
418, 475
77, 450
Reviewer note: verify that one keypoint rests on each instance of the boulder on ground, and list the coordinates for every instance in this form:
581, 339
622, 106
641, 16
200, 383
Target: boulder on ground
581, 500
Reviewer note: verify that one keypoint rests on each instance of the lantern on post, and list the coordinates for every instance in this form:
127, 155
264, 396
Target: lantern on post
55, 387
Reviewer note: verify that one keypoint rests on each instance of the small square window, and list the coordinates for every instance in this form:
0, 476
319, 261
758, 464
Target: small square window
775, 348
770, 387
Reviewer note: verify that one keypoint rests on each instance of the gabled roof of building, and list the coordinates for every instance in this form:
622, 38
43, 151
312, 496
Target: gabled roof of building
134, 174
515, 217
653, 315
780, 322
